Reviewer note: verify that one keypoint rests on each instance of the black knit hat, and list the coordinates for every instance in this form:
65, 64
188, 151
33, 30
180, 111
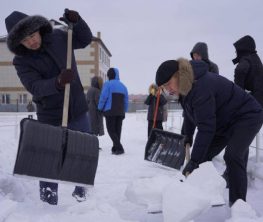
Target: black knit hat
166, 71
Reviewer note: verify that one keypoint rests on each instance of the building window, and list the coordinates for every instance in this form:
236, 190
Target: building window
22, 98
5, 99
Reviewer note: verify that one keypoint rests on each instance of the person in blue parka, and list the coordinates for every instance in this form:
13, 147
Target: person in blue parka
40, 61
113, 103
224, 114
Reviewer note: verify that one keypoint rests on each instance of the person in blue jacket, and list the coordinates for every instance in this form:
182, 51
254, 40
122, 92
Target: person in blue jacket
226, 117
40, 61
113, 103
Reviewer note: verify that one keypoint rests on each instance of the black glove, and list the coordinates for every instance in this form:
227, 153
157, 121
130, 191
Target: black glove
70, 16
190, 167
188, 139
66, 76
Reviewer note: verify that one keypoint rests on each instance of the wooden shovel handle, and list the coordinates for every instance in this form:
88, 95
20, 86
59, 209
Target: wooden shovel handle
67, 86
156, 107
187, 152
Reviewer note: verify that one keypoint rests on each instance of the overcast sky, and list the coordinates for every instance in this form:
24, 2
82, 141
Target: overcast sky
141, 34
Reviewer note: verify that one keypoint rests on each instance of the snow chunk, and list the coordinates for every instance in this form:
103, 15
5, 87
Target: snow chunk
182, 202
207, 178
242, 212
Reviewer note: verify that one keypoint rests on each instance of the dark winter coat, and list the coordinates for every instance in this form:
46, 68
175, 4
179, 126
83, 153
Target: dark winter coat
201, 49
249, 71
96, 117
151, 102
215, 110
38, 70
114, 97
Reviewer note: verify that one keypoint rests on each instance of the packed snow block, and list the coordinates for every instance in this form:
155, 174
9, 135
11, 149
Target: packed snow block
56, 153
148, 191
207, 179
191, 200
165, 148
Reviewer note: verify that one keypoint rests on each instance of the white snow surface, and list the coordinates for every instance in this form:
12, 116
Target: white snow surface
128, 188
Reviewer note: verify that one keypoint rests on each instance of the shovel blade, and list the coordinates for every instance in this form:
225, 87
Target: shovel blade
165, 148
56, 153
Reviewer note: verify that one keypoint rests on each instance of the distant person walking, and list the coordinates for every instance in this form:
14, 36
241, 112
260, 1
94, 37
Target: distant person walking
249, 69
30, 108
151, 101
113, 103
93, 96
200, 52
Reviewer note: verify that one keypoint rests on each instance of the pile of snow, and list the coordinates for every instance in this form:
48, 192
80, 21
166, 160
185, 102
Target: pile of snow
126, 187
179, 199
242, 212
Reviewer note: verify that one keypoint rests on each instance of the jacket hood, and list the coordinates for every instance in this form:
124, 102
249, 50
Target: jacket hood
20, 25
201, 49
117, 75
113, 73
244, 46
95, 82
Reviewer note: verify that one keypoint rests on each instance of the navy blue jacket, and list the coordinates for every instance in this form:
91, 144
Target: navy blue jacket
38, 71
214, 105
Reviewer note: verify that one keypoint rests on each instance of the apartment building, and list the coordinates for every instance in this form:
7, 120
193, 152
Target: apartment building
92, 60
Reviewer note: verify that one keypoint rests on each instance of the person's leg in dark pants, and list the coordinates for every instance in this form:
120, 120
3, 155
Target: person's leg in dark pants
217, 145
111, 123
236, 157
118, 128
159, 125
81, 124
150, 126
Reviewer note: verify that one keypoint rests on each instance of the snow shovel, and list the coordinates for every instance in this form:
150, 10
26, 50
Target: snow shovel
163, 147
57, 153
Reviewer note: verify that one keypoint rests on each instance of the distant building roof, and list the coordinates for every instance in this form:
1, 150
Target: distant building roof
98, 39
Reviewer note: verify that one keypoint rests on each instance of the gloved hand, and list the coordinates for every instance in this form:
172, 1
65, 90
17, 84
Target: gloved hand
70, 16
190, 167
188, 139
66, 76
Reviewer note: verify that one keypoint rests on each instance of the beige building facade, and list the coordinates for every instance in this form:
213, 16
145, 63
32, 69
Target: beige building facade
92, 60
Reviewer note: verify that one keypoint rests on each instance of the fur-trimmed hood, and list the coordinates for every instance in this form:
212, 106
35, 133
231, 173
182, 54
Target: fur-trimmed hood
186, 76
20, 25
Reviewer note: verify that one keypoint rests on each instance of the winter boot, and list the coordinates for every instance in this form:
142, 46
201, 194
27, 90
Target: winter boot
49, 196
79, 194
118, 152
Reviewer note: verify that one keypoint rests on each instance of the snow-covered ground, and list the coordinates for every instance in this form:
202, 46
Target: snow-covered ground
127, 188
